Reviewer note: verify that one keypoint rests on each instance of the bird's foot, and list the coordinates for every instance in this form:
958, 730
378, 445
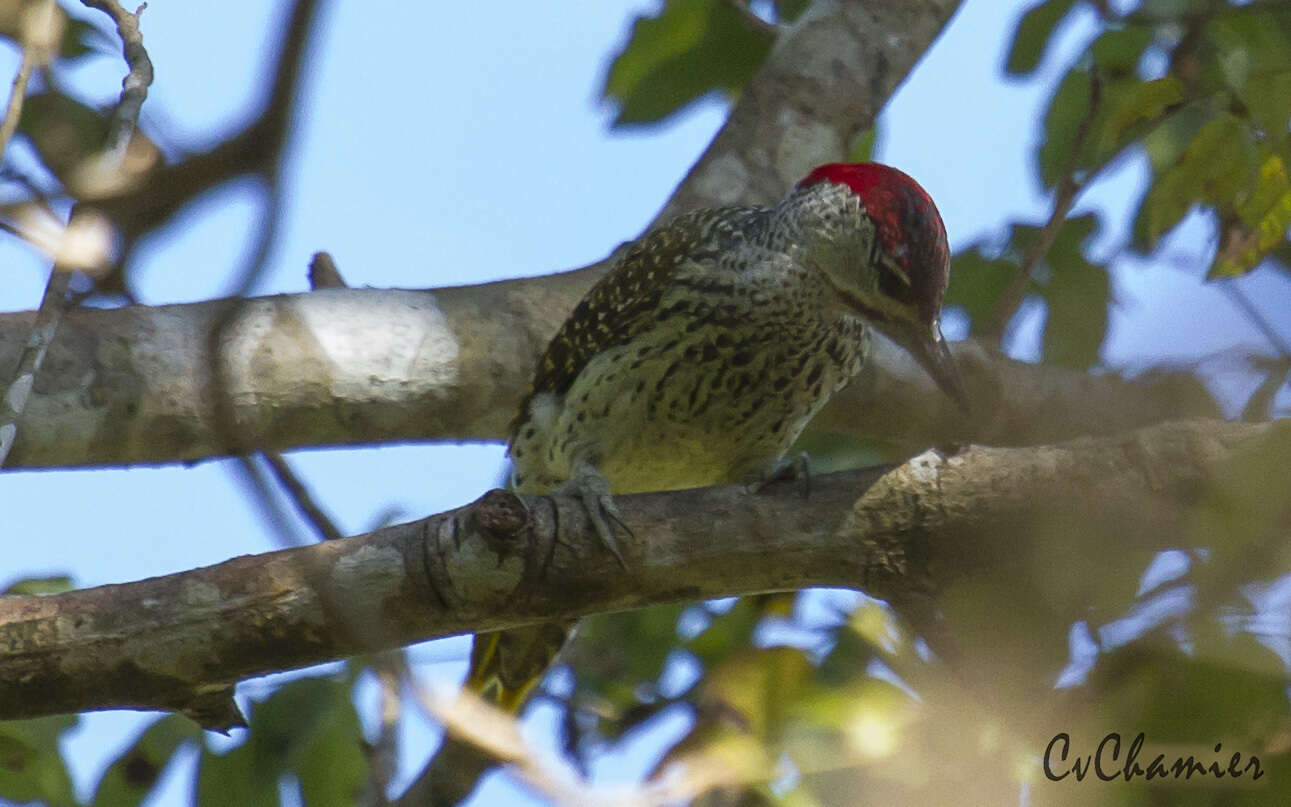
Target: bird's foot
786, 469
594, 491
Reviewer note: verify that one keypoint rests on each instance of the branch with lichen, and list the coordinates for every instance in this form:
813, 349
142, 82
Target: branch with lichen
181, 642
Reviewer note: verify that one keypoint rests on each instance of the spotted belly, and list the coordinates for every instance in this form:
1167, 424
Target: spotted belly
657, 415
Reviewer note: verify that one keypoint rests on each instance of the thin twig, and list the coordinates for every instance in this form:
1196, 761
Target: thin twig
268, 135
495, 734
391, 669
37, 194
301, 497
37, 33
35, 51
33, 355
1258, 319
17, 95
258, 485
1069, 190
134, 87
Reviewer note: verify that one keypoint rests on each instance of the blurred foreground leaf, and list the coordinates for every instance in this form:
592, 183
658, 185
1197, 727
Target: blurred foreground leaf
31, 768
691, 48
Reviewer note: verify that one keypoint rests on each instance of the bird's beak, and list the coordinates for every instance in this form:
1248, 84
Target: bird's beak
929, 348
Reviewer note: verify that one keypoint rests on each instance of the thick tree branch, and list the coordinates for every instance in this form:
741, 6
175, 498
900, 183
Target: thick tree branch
356, 366
182, 641
133, 385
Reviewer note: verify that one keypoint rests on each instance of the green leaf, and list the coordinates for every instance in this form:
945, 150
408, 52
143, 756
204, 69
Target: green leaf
236, 779
1122, 105
63, 130
1165, 9
133, 775
977, 283
1248, 45
78, 38
1141, 102
613, 669
1166, 143
1077, 296
762, 686
691, 48
40, 585
863, 148
31, 768
1245, 504
1175, 698
312, 723
1034, 31
1075, 291
307, 727
1218, 163
1268, 100
727, 633
1118, 52
1067, 108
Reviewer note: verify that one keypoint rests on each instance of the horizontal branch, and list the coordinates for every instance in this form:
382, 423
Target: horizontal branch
343, 367
182, 641
356, 366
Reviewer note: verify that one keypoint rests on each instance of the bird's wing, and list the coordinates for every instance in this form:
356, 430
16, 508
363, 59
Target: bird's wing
624, 302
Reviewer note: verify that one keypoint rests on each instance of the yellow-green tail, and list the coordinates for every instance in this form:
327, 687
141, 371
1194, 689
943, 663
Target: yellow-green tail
506, 665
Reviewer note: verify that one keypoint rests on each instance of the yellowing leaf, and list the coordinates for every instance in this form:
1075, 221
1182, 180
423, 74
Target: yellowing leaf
1262, 225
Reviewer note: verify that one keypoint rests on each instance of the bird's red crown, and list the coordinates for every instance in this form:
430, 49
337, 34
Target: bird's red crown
910, 229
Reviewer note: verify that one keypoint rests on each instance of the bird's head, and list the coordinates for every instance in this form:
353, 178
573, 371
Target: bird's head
895, 271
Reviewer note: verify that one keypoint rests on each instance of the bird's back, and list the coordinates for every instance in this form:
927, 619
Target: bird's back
697, 360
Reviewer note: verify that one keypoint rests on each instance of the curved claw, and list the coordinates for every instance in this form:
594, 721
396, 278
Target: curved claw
602, 510
594, 491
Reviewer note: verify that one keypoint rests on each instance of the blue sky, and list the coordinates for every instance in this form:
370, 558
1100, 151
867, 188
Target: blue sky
451, 143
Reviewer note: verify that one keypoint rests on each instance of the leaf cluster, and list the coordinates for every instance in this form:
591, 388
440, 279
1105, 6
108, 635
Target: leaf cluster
1203, 89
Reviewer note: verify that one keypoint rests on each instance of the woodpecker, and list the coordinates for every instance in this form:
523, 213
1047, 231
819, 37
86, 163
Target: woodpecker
701, 356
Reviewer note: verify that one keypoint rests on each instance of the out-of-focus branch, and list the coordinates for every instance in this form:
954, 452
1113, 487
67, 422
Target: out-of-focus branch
38, 26
16, 396
256, 150
1069, 189
182, 641
39, 35
134, 87
296, 489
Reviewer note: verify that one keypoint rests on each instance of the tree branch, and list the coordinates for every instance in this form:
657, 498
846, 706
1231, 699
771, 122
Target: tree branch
824, 83
135, 385
182, 641
358, 366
